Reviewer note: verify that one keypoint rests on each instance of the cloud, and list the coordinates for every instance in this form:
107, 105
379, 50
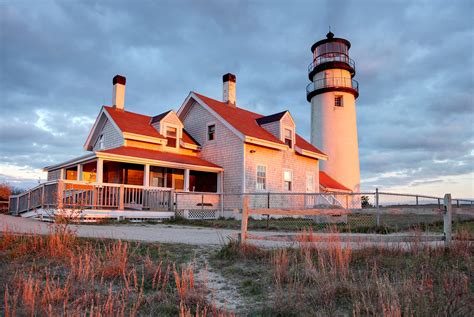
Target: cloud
414, 64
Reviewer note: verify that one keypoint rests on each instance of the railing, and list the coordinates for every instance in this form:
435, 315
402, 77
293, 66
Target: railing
82, 195
331, 57
332, 82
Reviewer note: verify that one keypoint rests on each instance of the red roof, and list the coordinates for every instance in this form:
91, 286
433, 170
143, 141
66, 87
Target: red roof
140, 124
246, 123
330, 183
159, 156
133, 122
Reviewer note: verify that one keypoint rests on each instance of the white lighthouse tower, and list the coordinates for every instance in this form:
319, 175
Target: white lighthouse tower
332, 93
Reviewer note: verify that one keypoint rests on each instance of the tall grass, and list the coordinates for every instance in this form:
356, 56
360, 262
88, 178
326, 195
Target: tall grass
59, 274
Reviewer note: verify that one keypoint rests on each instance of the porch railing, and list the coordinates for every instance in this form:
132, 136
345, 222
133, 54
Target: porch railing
82, 195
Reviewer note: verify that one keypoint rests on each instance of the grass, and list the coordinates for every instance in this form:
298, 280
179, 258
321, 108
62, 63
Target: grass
356, 223
61, 274
333, 280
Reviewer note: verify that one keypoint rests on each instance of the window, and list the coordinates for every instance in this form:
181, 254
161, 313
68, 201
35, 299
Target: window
338, 101
211, 130
171, 135
261, 177
289, 138
287, 180
100, 142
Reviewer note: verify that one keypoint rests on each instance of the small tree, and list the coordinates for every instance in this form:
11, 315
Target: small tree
5, 192
365, 202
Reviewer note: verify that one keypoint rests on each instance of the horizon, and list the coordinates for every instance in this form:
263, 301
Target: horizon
414, 113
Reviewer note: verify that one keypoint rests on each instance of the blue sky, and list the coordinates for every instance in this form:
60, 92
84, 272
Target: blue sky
414, 62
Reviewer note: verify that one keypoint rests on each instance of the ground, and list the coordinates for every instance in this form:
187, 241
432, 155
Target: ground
217, 277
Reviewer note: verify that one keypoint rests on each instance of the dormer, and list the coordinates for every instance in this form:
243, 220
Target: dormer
282, 126
170, 126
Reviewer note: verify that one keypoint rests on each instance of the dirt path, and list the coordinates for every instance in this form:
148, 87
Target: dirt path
205, 235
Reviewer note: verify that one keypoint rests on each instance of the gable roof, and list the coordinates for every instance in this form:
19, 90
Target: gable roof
246, 122
133, 122
141, 124
159, 156
328, 182
271, 118
159, 117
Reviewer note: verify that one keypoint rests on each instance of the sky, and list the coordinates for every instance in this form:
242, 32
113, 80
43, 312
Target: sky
414, 63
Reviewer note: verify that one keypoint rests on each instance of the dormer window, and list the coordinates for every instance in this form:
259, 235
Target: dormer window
288, 135
171, 136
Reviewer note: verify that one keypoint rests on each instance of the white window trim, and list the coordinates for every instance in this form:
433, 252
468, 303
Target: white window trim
178, 133
266, 178
283, 178
207, 131
293, 135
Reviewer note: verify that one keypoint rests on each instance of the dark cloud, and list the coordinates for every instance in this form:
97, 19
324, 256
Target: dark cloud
414, 65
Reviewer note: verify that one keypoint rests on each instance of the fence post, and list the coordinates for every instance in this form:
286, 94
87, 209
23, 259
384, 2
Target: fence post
122, 197
377, 220
447, 220
245, 215
28, 202
458, 203
417, 200
439, 203
268, 200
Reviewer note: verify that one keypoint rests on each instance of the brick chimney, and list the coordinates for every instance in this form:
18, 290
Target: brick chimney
118, 93
228, 91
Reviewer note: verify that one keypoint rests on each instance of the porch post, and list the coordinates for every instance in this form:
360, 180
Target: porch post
61, 173
146, 176
79, 172
100, 170
186, 180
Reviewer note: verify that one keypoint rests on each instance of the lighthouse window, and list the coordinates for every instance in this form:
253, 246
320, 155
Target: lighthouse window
338, 101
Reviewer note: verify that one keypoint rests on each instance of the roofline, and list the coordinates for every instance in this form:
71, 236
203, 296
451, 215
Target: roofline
71, 161
142, 137
265, 143
335, 189
215, 114
312, 154
139, 160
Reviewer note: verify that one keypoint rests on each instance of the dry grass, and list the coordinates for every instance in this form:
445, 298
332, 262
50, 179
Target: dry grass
331, 278
60, 274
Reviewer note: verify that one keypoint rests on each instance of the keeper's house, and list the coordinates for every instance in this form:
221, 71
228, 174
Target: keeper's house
139, 164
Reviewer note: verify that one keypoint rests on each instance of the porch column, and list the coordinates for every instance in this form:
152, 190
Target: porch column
146, 176
100, 171
186, 180
62, 174
220, 182
79, 172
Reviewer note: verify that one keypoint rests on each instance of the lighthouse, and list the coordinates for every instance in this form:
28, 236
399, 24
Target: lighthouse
332, 94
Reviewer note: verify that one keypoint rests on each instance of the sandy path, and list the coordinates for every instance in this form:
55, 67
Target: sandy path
203, 235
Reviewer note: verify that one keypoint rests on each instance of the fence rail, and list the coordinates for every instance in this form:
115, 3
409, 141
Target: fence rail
82, 195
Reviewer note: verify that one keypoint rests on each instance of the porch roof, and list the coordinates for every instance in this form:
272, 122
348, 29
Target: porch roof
153, 155
328, 182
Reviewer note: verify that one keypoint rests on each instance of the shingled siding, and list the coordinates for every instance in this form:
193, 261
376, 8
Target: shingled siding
276, 161
226, 150
273, 128
54, 175
112, 137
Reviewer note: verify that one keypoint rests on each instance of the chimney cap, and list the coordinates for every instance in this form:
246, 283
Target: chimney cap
229, 77
119, 79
